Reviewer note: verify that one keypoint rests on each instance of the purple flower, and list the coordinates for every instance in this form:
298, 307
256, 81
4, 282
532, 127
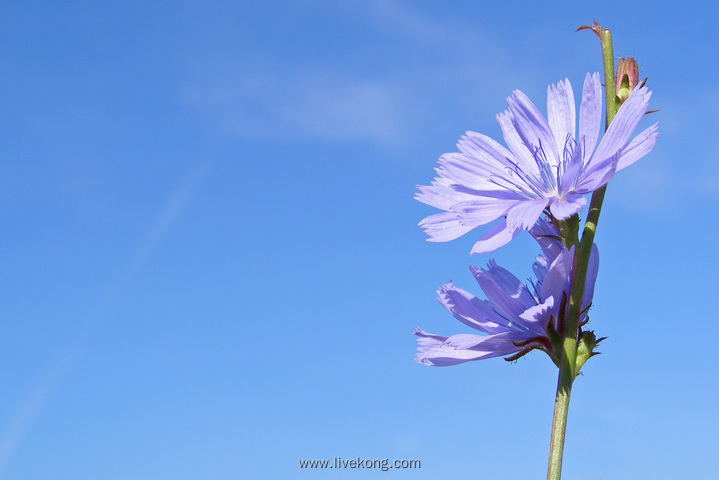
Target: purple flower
545, 166
516, 318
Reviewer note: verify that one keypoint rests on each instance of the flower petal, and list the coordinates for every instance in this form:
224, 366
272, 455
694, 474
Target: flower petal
470, 310
486, 149
592, 270
440, 194
590, 113
525, 214
495, 237
421, 333
568, 206
556, 280
548, 239
505, 291
598, 175
521, 152
470, 171
638, 147
482, 210
623, 125
532, 127
446, 226
561, 113
461, 348
535, 317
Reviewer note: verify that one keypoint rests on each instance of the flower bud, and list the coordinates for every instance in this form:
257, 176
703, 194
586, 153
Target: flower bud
586, 344
627, 77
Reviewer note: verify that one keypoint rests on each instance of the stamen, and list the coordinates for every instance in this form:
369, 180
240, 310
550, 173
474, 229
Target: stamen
512, 188
530, 181
540, 158
536, 290
510, 323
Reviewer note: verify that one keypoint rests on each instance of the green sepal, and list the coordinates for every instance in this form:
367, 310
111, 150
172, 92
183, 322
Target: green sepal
585, 348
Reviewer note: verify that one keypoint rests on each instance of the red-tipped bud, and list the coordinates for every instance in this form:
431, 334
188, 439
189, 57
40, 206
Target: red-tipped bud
627, 77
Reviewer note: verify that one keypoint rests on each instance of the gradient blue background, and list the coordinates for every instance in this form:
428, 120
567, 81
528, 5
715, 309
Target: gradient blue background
210, 260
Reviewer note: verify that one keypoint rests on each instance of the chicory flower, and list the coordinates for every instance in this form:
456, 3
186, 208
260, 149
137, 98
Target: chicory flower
546, 165
516, 318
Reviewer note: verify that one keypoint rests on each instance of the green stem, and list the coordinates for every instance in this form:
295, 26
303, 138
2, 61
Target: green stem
561, 410
580, 262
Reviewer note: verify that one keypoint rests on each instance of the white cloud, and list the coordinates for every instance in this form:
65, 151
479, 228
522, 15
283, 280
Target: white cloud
319, 105
441, 65
331, 109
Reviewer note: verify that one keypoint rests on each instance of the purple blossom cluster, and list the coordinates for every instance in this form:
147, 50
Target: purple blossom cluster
535, 183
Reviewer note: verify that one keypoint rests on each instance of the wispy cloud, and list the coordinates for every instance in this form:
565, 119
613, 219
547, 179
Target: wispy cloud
319, 105
270, 97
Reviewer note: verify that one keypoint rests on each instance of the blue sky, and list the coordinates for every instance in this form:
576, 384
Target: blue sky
211, 264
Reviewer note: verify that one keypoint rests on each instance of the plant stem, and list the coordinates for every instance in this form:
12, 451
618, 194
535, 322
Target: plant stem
559, 423
580, 262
